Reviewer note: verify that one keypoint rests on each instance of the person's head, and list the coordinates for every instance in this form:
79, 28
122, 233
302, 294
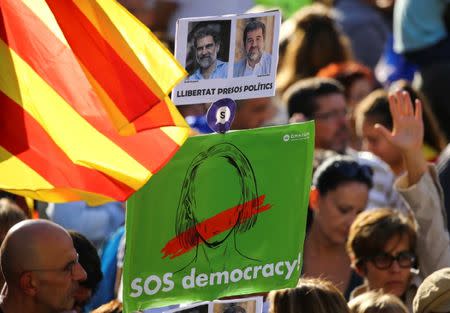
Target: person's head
377, 302
315, 42
340, 192
323, 100
372, 110
254, 37
381, 246
310, 296
18, 200
252, 113
358, 82
40, 266
90, 261
226, 161
356, 78
207, 44
10, 214
433, 294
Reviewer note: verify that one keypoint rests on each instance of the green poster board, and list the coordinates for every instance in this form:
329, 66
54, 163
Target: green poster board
288, 7
225, 216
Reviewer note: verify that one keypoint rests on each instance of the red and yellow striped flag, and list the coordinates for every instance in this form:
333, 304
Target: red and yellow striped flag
83, 95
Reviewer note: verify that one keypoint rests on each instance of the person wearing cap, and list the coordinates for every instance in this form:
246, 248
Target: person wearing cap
433, 295
395, 239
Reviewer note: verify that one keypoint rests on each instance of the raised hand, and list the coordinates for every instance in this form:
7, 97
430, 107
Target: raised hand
407, 133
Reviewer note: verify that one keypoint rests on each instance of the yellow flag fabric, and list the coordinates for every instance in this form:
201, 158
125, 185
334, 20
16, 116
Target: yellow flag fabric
85, 111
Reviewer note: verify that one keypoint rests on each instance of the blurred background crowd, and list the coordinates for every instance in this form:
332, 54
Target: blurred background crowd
379, 206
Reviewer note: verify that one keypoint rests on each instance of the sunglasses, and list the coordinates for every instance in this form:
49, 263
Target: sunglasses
383, 261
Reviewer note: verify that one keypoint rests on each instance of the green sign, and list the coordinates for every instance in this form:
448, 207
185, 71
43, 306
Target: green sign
225, 216
288, 7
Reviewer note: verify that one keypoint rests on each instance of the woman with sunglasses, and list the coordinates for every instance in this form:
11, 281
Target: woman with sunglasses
340, 192
384, 245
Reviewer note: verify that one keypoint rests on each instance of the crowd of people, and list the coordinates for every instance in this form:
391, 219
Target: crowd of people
372, 75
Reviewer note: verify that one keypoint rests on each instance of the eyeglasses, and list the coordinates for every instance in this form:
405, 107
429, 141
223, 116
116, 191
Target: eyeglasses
68, 269
353, 169
383, 261
332, 115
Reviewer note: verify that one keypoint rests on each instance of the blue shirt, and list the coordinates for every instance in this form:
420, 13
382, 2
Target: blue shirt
96, 223
221, 71
262, 68
418, 24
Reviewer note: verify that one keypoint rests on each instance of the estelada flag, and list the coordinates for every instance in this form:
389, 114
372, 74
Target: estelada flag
83, 96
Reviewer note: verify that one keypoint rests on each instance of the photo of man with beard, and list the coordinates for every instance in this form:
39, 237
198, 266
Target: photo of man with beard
206, 42
255, 61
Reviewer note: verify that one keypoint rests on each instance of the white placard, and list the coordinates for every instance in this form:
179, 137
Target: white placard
229, 56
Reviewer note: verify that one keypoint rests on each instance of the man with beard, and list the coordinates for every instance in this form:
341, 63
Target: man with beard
207, 45
322, 100
256, 62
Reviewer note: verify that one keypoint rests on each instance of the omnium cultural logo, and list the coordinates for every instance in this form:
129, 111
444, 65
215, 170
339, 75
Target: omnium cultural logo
295, 136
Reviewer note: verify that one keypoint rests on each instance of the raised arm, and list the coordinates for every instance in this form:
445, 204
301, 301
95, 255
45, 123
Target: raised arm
407, 133
420, 186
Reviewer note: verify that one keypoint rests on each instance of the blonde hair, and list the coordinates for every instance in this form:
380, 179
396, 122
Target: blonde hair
377, 302
311, 295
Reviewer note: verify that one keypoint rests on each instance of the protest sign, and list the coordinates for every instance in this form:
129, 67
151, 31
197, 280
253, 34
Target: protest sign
226, 216
230, 56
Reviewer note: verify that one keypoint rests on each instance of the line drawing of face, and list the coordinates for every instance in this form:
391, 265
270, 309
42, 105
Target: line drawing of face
206, 51
254, 45
188, 213
226, 178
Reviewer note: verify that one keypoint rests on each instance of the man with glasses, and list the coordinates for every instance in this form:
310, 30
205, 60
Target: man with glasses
207, 45
323, 100
41, 269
